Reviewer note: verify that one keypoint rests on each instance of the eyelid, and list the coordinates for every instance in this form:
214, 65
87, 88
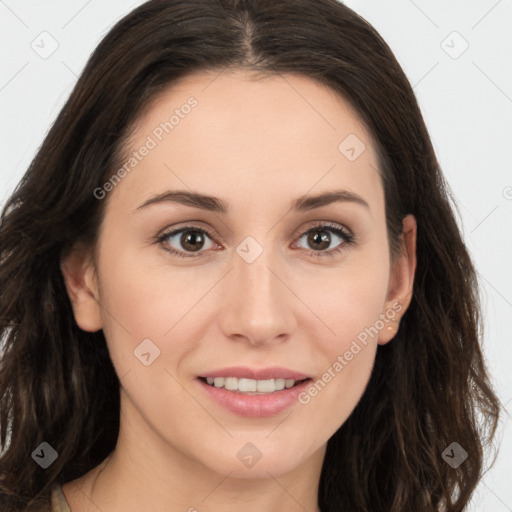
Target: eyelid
325, 224
190, 225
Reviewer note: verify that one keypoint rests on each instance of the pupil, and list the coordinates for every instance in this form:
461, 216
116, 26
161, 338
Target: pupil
323, 239
190, 240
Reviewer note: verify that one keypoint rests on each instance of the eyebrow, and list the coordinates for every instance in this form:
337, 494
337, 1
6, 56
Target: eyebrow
216, 205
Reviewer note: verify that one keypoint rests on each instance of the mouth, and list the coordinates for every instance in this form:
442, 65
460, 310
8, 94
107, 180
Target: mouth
246, 386
254, 398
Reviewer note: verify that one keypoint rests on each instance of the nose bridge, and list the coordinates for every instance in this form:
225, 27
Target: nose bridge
253, 275
257, 304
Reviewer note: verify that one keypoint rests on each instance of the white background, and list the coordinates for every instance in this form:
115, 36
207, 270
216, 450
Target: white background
465, 97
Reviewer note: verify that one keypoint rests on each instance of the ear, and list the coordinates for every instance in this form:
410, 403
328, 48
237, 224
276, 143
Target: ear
79, 274
401, 281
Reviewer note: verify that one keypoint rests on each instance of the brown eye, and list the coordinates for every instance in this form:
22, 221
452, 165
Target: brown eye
192, 240
319, 239
186, 240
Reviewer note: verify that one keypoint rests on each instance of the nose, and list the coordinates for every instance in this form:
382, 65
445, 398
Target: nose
257, 302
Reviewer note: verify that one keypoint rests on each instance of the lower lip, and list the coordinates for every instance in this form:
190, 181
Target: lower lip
255, 406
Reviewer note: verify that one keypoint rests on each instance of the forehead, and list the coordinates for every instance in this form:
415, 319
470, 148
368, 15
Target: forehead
248, 134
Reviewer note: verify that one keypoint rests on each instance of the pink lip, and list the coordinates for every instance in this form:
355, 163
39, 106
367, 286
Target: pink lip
254, 406
244, 372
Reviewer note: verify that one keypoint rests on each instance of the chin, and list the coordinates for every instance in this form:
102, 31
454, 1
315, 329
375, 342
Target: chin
260, 459
260, 470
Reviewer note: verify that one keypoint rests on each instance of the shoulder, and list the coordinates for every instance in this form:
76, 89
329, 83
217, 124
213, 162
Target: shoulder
58, 500
55, 501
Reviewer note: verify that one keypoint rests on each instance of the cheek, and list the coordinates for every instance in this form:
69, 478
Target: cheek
139, 303
145, 296
142, 304
349, 307
347, 300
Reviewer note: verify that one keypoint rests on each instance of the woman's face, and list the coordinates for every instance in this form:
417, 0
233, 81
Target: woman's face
271, 278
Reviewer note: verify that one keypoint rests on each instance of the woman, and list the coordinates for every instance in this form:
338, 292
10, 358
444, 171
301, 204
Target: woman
232, 277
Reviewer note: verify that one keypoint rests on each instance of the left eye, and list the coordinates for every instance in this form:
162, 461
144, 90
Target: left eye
321, 237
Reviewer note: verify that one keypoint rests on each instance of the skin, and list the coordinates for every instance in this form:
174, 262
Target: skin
258, 143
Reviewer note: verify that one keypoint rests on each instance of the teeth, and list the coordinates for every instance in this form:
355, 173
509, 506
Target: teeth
245, 385
266, 386
250, 386
231, 383
218, 382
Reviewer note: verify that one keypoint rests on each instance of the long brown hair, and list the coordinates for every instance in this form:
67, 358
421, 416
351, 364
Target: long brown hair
429, 386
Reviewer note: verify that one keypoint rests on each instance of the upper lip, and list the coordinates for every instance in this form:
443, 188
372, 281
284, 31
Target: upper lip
244, 372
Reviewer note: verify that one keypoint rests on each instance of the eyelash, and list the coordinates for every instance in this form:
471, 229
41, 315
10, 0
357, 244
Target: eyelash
343, 233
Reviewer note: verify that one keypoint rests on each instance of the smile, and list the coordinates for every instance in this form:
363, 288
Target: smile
251, 386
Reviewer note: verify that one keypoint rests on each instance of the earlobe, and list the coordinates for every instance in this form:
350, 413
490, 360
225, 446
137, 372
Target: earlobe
80, 279
401, 281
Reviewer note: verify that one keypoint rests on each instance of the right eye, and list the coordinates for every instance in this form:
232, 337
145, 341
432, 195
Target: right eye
189, 239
